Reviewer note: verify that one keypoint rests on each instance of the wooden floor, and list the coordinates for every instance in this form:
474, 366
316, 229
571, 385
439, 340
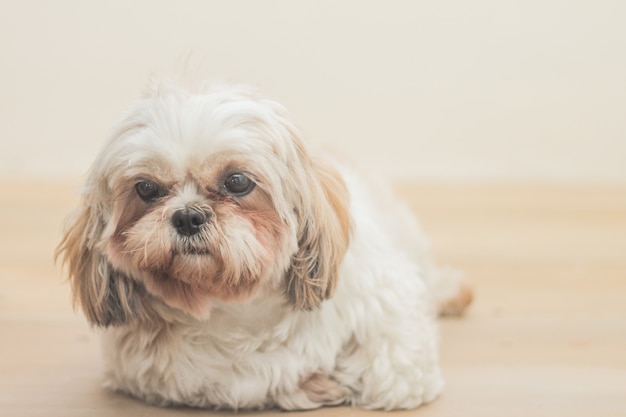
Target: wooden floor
545, 337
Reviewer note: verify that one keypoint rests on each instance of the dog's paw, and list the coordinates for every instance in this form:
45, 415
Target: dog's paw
322, 389
314, 391
455, 305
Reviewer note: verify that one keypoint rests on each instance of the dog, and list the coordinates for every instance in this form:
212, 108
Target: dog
230, 264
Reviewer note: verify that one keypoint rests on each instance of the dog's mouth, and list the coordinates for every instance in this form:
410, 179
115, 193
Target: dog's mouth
190, 249
192, 252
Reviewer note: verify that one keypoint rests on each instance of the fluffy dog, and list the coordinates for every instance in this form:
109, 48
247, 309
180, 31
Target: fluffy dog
232, 265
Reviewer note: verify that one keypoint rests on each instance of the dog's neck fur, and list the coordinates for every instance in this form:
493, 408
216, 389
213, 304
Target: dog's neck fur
256, 318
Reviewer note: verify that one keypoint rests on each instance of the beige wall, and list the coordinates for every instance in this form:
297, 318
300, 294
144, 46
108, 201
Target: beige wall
428, 90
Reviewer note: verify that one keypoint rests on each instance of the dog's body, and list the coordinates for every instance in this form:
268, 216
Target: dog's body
299, 288
372, 344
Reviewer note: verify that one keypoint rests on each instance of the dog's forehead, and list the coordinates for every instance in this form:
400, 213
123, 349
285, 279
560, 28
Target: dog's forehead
208, 123
203, 131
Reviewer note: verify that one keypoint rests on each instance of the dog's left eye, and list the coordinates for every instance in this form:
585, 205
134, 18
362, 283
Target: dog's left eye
148, 191
238, 184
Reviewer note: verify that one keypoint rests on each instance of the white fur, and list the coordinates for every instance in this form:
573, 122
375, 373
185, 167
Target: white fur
375, 338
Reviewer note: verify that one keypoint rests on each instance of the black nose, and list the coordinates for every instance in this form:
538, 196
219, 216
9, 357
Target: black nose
188, 221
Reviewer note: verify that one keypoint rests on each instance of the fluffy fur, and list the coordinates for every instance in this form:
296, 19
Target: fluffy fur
307, 289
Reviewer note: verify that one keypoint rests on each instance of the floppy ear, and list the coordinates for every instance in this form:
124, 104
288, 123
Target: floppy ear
323, 237
106, 296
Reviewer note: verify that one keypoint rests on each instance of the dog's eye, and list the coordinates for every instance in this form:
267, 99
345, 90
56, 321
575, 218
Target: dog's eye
238, 184
148, 191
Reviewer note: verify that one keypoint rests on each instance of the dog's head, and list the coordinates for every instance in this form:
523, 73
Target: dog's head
202, 196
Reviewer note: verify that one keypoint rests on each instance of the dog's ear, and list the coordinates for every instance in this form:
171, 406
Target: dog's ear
323, 237
107, 297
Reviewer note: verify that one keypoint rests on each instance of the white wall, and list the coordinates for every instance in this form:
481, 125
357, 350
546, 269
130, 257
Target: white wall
427, 90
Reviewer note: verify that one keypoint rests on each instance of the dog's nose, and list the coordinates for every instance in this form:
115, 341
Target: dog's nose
188, 221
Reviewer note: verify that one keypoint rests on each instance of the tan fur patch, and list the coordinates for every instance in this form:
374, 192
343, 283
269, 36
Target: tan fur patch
107, 297
324, 237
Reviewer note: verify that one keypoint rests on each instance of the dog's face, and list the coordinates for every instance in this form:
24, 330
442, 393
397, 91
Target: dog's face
205, 196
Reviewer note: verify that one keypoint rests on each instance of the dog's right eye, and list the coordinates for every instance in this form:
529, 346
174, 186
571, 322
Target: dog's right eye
148, 191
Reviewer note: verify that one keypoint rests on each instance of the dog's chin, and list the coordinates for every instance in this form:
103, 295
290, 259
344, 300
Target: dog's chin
191, 279
181, 295
195, 267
